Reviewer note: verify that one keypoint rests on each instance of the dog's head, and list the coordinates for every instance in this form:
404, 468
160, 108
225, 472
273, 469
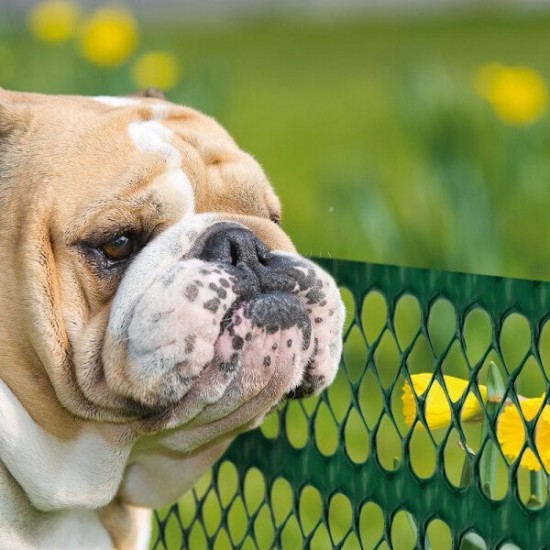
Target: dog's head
154, 281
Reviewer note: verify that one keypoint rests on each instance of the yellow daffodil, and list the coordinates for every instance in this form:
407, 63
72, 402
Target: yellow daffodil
518, 95
511, 433
437, 408
53, 21
158, 69
109, 36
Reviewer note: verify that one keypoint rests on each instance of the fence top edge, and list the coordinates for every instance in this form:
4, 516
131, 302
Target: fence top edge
496, 294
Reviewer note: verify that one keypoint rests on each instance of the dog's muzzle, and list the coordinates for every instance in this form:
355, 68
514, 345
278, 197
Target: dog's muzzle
262, 280
221, 321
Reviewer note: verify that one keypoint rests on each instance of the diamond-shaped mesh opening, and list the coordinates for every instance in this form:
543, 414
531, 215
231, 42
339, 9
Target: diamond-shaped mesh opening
435, 433
439, 531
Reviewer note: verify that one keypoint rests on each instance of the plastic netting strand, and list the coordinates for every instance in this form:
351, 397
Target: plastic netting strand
347, 470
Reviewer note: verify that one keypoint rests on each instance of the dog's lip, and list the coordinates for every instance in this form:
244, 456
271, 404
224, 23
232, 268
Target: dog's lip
273, 312
280, 292
270, 310
271, 285
250, 282
283, 310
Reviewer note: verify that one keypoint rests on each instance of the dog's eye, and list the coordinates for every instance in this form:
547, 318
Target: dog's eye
120, 247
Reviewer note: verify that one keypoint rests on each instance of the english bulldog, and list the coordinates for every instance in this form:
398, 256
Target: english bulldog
151, 309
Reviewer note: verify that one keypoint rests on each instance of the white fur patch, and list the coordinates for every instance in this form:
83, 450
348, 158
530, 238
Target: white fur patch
150, 136
144, 527
160, 111
55, 474
117, 101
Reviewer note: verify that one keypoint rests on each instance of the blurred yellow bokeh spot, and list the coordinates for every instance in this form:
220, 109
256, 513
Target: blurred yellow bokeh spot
158, 69
109, 36
53, 21
518, 95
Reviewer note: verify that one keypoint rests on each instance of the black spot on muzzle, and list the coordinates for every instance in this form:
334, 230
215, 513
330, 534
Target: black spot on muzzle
267, 285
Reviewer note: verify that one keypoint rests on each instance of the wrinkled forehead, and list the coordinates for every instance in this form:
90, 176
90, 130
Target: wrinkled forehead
121, 127
82, 153
109, 145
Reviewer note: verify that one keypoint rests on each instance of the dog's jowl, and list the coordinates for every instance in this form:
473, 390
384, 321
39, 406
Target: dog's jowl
151, 308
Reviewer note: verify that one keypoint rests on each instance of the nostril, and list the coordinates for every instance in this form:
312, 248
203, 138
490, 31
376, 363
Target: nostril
235, 253
234, 245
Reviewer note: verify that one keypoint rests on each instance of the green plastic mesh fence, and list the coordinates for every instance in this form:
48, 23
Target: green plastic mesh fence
460, 462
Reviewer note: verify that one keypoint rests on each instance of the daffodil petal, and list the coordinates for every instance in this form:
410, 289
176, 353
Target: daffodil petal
511, 433
437, 406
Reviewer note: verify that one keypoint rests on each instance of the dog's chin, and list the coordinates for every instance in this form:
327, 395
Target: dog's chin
264, 342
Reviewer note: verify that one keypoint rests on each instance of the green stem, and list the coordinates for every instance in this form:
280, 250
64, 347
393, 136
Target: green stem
488, 463
538, 485
466, 474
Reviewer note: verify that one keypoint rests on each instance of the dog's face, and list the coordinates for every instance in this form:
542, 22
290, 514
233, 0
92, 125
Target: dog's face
156, 285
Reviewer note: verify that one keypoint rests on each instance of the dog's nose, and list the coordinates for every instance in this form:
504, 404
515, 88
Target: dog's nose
255, 268
236, 246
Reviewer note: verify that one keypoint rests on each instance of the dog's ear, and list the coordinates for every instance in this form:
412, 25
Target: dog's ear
150, 92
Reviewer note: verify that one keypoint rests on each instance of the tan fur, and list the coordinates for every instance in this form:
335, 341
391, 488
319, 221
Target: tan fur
58, 147
120, 519
70, 169
44, 171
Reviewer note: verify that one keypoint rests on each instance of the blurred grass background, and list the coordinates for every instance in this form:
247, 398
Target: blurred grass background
371, 131
376, 132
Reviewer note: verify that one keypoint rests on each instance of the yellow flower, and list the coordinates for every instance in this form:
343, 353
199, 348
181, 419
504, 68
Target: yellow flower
511, 433
518, 95
53, 21
437, 408
158, 69
109, 36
